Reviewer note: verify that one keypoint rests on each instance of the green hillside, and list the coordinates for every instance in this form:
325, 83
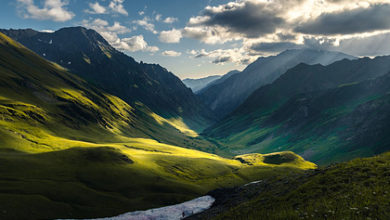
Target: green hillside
358, 189
69, 150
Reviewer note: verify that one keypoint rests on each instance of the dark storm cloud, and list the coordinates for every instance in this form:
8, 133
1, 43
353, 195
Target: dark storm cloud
222, 60
274, 46
250, 19
360, 20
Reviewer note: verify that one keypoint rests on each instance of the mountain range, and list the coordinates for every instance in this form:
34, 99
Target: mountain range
226, 96
87, 54
325, 113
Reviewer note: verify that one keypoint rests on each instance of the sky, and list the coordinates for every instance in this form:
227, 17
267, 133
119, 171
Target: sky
197, 38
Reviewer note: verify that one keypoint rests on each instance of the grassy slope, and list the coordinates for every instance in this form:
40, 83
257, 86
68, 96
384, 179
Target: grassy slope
359, 189
67, 150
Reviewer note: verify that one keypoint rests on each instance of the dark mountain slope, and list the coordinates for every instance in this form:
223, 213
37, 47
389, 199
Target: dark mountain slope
87, 54
325, 113
225, 97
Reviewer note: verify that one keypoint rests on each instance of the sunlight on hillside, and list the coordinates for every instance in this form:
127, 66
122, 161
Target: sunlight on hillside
178, 123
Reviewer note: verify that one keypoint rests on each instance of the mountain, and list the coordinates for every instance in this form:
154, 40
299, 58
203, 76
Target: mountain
225, 97
357, 189
221, 79
325, 113
87, 54
71, 150
197, 84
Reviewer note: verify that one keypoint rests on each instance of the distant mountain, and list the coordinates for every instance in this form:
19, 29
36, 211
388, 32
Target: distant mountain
197, 84
220, 80
224, 97
87, 54
325, 113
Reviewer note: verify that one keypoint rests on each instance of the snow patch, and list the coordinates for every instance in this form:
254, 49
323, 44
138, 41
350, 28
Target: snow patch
174, 212
254, 182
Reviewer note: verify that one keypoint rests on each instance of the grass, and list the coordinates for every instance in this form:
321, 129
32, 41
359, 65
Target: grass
359, 189
79, 182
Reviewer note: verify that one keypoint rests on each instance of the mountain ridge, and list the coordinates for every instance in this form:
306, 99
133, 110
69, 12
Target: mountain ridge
225, 97
88, 55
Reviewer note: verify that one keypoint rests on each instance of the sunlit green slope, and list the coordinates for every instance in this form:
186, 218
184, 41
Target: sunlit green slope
67, 150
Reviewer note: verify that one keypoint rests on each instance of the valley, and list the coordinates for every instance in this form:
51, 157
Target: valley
69, 146
191, 109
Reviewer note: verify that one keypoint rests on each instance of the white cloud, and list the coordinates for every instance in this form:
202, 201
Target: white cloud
52, 10
117, 6
171, 53
239, 56
111, 32
146, 24
118, 28
96, 8
171, 36
158, 17
170, 20
137, 43
47, 31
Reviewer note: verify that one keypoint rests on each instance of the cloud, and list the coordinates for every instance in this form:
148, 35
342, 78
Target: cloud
118, 28
111, 32
170, 20
171, 53
117, 6
96, 8
274, 46
137, 43
210, 35
255, 28
241, 19
158, 17
240, 56
146, 24
52, 10
221, 60
359, 20
171, 36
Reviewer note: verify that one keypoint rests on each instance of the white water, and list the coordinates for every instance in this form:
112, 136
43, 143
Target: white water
174, 212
